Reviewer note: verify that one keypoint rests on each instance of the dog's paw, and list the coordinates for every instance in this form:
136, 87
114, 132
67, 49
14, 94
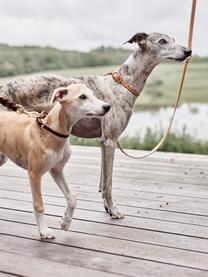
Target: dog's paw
65, 224
47, 234
113, 212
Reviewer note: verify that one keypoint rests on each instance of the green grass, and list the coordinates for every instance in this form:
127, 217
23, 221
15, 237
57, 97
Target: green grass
163, 83
27, 59
181, 143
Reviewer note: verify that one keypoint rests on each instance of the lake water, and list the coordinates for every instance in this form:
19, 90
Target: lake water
193, 116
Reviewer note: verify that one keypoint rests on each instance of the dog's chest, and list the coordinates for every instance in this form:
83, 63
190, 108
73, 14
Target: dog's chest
53, 157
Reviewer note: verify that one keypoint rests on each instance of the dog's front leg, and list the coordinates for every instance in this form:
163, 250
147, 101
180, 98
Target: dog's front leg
35, 183
108, 152
58, 177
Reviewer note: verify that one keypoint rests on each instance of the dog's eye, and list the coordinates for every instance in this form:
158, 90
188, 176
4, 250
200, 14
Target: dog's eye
162, 41
83, 97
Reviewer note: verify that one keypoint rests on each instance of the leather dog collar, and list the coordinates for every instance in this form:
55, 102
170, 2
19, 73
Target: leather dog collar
46, 127
119, 79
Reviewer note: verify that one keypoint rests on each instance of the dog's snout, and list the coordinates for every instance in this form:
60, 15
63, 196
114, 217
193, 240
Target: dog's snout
106, 108
187, 51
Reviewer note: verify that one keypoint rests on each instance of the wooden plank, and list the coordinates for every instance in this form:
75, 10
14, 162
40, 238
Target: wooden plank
199, 171
183, 170
158, 155
145, 174
88, 192
94, 260
27, 265
157, 165
152, 200
149, 198
201, 178
102, 250
95, 151
120, 247
142, 164
200, 191
168, 236
102, 229
131, 190
89, 204
140, 223
141, 182
162, 204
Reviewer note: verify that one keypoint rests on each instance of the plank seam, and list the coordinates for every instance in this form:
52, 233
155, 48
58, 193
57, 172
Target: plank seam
105, 236
113, 254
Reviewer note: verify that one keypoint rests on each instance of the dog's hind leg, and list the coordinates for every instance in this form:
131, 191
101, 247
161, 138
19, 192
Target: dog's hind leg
35, 183
3, 159
108, 151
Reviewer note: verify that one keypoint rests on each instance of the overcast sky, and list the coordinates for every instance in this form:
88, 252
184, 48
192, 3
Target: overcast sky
86, 24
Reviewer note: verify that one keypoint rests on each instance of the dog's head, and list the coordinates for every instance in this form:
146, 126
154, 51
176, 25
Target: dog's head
160, 47
79, 101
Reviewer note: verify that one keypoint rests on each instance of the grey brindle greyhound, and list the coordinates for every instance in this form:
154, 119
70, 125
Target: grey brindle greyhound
35, 94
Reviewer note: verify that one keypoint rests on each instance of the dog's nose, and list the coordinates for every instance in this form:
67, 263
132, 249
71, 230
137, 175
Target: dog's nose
187, 52
106, 108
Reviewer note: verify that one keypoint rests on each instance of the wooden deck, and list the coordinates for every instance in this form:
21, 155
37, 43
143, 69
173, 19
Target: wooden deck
164, 232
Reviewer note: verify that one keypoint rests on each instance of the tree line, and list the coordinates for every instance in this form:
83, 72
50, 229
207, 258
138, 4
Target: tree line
16, 60
27, 59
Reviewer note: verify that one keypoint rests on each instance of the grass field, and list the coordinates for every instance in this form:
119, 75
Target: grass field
162, 85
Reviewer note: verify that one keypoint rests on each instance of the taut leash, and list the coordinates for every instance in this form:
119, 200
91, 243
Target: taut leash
190, 37
19, 108
38, 116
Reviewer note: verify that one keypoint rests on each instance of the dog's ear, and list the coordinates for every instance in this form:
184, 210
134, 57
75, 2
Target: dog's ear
140, 38
58, 94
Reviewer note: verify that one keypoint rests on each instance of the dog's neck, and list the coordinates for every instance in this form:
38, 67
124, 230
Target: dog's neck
137, 68
59, 121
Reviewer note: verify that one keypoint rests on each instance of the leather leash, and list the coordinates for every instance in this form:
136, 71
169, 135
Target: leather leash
190, 36
38, 116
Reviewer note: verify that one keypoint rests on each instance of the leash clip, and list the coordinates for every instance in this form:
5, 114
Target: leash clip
40, 121
20, 109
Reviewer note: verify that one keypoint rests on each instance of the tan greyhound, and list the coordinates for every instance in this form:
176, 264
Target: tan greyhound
33, 148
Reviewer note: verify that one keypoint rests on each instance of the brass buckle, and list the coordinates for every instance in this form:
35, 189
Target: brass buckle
117, 77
